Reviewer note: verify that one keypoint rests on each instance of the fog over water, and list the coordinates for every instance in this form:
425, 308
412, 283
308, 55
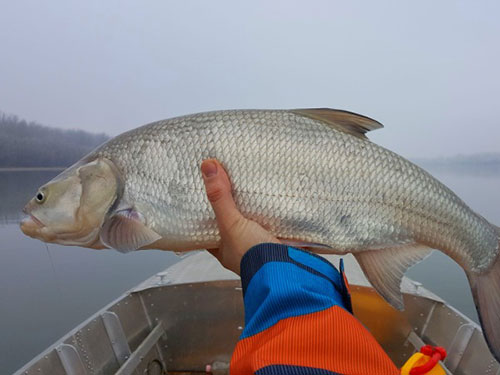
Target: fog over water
428, 70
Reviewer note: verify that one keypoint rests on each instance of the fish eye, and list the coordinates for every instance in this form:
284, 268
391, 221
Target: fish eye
40, 197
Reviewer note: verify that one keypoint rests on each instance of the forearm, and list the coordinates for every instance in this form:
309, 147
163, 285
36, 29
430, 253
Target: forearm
298, 318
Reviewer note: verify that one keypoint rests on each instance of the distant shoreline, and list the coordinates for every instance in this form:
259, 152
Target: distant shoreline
30, 169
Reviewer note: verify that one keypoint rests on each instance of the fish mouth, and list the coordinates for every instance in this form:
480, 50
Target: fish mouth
30, 225
36, 221
29, 217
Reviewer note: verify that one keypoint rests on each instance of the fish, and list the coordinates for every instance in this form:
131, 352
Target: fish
309, 176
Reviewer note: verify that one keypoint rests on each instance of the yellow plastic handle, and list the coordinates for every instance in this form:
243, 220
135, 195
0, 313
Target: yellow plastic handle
418, 359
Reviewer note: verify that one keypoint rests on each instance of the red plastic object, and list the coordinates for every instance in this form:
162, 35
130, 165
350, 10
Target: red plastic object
436, 353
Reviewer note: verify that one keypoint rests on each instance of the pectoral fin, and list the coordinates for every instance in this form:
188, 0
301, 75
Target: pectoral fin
385, 269
125, 231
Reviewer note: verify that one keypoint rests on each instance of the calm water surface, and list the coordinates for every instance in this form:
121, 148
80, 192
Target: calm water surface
47, 290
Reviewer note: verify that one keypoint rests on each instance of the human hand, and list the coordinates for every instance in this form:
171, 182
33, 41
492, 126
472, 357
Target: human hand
237, 233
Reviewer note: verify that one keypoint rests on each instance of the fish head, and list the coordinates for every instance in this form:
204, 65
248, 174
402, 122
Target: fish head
71, 208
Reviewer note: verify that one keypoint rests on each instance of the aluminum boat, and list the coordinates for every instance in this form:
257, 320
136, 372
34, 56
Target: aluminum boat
191, 315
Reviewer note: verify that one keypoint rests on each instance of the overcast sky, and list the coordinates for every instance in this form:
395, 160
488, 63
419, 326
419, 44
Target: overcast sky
428, 70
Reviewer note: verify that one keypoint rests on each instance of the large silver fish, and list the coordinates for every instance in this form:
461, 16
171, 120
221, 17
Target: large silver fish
310, 176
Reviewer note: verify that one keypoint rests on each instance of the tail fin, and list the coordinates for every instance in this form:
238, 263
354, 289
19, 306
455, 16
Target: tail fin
486, 291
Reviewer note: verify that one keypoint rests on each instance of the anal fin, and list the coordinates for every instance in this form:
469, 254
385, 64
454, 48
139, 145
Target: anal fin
385, 269
125, 231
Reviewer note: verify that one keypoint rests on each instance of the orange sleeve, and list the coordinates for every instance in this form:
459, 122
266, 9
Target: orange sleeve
298, 319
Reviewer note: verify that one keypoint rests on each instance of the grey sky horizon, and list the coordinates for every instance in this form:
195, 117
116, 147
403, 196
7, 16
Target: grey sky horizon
429, 71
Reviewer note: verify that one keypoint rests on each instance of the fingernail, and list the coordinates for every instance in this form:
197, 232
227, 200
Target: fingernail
209, 168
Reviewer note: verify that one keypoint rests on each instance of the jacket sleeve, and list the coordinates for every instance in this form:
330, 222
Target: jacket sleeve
298, 319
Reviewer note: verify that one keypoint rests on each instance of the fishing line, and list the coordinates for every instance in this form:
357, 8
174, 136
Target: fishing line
56, 279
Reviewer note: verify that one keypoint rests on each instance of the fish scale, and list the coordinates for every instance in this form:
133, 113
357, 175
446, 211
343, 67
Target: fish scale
310, 176
275, 164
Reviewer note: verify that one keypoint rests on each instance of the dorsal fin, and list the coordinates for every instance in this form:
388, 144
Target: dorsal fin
347, 122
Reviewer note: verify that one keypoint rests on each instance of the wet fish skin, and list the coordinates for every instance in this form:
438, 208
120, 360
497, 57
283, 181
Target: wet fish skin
310, 177
300, 179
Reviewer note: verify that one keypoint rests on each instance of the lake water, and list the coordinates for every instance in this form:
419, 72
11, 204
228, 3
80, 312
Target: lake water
47, 290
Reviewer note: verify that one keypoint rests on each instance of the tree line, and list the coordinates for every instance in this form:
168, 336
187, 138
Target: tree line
29, 144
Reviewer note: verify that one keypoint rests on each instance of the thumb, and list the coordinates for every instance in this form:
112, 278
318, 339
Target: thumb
218, 189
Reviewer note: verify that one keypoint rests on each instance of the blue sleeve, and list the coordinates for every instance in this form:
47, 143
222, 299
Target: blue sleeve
298, 319
280, 282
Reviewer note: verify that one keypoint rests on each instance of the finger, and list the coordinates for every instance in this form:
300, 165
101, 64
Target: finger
215, 253
218, 189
